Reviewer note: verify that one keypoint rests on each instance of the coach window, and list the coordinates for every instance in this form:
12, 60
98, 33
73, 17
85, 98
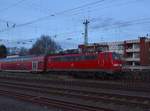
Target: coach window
64, 59
67, 59
22, 59
11, 60
82, 57
76, 58
54, 59
95, 56
58, 59
116, 56
73, 58
87, 57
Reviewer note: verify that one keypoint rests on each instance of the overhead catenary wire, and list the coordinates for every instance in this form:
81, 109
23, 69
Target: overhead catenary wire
97, 6
11, 6
120, 25
76, 10
125, 23
55, 14
2, 20
61, 12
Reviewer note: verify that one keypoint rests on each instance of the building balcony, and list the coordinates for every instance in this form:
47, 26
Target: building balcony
132, 41
117, 51
120, 51
133, 50
132, 59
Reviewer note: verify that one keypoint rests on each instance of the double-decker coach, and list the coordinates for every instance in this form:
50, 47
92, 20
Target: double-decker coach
23, 64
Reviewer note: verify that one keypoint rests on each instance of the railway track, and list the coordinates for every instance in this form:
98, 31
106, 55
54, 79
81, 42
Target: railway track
66, 106
116, 85
88, 96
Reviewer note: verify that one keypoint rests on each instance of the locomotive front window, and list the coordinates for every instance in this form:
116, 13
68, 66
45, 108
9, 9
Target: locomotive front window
116, 56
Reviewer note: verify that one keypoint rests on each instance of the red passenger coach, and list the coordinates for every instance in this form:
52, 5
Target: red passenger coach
23, 64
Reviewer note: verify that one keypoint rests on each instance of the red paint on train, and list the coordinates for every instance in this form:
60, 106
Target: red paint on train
102, 61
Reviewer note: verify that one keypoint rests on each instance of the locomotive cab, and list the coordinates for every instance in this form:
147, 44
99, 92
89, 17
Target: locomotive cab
116, 62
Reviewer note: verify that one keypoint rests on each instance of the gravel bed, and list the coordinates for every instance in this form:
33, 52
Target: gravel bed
9, 104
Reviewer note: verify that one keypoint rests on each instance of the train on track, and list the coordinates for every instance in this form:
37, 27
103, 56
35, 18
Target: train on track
108, 62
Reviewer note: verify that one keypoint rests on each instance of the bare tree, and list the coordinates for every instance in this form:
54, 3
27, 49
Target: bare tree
3, 51
44, 45
23, 51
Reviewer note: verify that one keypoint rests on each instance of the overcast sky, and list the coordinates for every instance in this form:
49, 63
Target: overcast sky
110, 20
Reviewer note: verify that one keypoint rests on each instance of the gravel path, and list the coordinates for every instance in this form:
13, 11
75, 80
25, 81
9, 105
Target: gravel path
9, 104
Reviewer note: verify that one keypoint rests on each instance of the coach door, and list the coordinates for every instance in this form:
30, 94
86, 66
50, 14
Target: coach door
34, 65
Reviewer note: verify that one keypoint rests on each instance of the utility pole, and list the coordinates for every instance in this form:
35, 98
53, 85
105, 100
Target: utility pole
86, 22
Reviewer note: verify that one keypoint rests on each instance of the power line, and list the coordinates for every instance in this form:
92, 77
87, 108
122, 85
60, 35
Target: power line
6, 21
124, 24
137, 22
121, 25
10, 25
111, 3
55, 14
59, 13
12, 5
62, 12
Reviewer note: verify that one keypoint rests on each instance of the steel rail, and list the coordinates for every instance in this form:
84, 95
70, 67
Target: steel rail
87, 95
67, 106
131, 86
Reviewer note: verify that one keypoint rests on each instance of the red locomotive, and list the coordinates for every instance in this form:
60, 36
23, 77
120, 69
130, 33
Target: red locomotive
86, 62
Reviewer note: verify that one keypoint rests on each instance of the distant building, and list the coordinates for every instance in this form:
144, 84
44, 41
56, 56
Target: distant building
13, 50
135, 52
12, 56
93, 47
